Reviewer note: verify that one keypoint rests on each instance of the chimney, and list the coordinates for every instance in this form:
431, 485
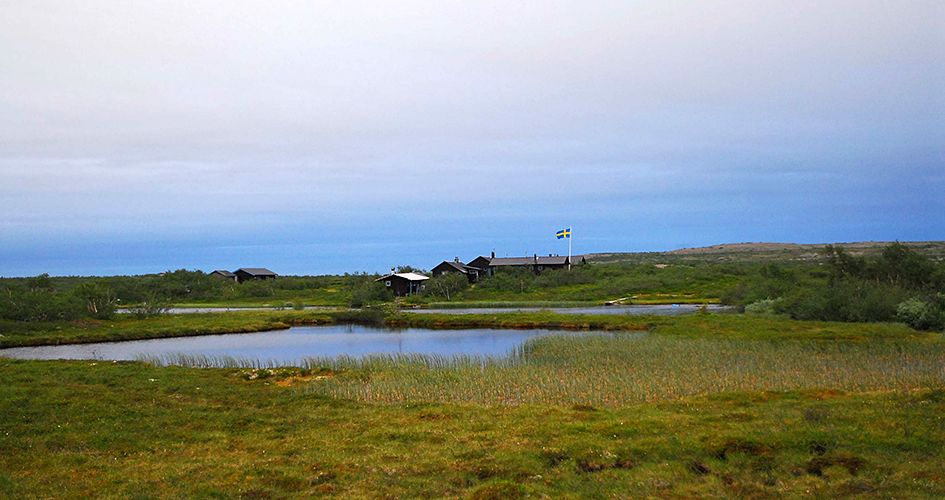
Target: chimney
455, 259
493, 254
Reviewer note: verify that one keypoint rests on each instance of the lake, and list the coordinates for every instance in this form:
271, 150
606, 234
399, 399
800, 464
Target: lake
654, 309
287, 347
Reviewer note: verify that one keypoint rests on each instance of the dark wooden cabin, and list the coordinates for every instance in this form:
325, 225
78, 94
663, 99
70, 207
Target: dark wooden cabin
472, 273
490, 265
403, 284
535, 263
481, 262
253, 273
226, 274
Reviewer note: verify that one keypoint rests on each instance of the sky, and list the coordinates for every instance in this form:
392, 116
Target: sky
315, 137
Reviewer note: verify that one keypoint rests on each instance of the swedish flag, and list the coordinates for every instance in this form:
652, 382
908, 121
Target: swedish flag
564, 233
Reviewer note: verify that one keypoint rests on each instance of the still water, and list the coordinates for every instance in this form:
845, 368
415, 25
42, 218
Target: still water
655, 309
289, 346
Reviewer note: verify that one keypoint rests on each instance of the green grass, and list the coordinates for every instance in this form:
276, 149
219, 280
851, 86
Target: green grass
127, 327
128, 430
716, 406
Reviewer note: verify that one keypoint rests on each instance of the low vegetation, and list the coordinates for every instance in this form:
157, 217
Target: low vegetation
773, 403
128, 327
897, 284
618, 369
129, 430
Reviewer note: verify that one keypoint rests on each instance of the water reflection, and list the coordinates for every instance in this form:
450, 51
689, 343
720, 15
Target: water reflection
288, 346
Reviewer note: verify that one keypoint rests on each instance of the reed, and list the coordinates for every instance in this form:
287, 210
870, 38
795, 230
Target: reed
614, 369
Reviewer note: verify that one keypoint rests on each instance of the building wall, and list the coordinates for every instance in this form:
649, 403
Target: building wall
242, 276
401, 286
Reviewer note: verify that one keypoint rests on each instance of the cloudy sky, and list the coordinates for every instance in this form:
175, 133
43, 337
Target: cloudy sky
324, 137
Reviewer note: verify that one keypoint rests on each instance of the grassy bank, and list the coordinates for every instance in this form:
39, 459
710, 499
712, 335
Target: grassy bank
16, 334
181, 325
127, 327
127, 430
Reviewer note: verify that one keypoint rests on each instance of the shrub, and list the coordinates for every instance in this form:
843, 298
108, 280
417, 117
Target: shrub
38, 301
152, 305
856, 301
371, 292
447, 285
921, 315
766, 306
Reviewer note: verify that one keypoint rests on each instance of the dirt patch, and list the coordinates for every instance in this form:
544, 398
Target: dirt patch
853, 464
739, 445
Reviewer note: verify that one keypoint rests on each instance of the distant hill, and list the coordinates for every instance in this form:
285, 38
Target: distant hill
742, 252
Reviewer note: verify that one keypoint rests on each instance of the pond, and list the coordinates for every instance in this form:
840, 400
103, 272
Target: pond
287, 347
654, 309
201, 310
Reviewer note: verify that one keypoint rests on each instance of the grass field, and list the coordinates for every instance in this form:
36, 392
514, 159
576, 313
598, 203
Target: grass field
128, 430
705, 406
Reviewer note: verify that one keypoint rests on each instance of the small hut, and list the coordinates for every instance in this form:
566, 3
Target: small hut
404, 283
253, 273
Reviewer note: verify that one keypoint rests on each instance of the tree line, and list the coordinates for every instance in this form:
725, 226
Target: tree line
898, 285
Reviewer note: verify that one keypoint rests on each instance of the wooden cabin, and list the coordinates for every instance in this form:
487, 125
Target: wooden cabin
489, 265
253, 273
403, 284
472, 273
226, 274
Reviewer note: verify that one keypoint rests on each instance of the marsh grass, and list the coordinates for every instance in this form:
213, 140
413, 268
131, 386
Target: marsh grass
117, 430
615, 369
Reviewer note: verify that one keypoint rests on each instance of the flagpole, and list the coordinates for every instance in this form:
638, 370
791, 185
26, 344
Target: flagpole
569, 249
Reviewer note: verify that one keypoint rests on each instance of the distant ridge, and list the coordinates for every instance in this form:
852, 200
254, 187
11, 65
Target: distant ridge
763, 251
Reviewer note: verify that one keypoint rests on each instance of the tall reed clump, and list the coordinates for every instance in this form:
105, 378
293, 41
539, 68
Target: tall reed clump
617, 370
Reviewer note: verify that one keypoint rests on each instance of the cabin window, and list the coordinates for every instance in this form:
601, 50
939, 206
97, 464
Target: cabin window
387, 282
541, 267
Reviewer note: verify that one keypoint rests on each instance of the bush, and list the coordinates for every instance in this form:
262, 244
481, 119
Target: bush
766, 306
257, 288
447, 285
36, 300
509, 280
371, 292
853, 301
152, 305
100, 300
921, 315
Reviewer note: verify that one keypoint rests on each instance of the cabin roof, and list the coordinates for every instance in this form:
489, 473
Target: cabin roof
223, 272
255, 271
528, 261
459, 266
406, 276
